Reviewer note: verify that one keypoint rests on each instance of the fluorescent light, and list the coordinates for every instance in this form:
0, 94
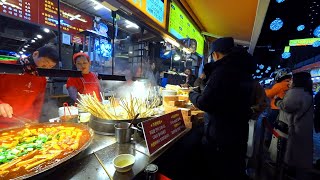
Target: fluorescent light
97, 3
20, 52
166, 53
130, 52
32, 41
173, 42
186, 50
25, 46
39, 36
131, 24
23, 50
35, 38
98, 6
46, 30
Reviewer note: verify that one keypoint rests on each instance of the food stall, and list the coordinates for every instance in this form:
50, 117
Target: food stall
82, 142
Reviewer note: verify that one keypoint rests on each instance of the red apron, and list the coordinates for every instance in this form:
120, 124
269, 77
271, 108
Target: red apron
91, 86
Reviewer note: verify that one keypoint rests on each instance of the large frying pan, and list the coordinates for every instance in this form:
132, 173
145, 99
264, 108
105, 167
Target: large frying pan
66, 158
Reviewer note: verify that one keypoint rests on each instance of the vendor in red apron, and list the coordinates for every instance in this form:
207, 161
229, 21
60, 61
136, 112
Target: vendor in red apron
87, 84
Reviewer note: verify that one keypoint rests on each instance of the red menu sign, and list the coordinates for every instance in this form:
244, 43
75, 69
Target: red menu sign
159, 131
45, 12
22, 9
72, 20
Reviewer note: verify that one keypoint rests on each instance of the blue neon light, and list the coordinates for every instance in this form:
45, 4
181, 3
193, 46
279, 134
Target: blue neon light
276, 24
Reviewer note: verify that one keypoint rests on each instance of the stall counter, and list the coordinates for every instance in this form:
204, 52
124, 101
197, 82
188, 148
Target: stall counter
87, 166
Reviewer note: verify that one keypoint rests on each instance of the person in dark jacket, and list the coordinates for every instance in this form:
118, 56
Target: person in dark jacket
226, 100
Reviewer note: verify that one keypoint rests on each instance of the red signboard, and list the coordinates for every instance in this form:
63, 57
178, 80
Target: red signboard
159, 131
21, 9
45, 12
72, 20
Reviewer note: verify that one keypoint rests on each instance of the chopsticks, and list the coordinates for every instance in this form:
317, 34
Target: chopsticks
103, 166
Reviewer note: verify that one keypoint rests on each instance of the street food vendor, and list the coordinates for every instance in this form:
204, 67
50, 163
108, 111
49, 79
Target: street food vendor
87, 84
22, 96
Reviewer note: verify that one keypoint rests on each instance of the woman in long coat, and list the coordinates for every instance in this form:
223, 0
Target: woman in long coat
296, 110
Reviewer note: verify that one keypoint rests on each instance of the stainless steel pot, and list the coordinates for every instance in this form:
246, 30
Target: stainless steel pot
106, 127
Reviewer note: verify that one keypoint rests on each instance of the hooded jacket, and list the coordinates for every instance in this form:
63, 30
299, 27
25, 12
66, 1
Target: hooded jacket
226, 97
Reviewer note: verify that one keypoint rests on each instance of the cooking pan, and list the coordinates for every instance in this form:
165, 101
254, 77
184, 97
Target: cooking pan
64, 159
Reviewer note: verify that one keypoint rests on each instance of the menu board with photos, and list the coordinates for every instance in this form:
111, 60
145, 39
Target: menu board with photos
154, 9
181, 27
45, 12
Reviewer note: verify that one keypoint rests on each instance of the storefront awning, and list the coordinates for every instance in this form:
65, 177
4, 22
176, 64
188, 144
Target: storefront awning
240, 19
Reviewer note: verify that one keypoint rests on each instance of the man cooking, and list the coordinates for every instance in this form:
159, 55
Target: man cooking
22, 96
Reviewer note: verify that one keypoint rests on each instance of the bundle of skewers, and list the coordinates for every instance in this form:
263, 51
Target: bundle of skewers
118, 108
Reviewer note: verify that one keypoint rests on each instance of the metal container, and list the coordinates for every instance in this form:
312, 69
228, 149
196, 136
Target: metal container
122, 132
104, 126
151, 172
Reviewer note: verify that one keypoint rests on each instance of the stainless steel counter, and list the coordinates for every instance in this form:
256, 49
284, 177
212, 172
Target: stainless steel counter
86, 166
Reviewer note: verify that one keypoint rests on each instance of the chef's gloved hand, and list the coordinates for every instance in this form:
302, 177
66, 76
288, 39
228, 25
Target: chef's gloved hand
6, 110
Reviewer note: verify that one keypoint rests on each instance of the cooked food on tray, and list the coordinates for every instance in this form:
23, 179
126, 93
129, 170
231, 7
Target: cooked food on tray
118, 109
32, 148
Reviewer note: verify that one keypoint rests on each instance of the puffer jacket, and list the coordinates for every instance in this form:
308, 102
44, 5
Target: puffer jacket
227, 98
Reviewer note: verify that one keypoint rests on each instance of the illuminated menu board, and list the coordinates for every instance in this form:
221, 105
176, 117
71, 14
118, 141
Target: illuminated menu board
72, 20
22, 9
154, 9
181, 27
45, 12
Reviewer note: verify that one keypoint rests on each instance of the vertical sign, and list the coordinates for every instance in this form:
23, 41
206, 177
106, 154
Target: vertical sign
154, 9
158, 132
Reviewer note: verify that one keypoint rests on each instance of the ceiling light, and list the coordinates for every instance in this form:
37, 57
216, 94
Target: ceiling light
177, 57
20, 52
23, 50
46, 30
35, 38
130, 52
279, 66
131, 24
98, 3
276, 24
98, 6
39, 36
32, 41
173, 42
257, 71
25, 46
